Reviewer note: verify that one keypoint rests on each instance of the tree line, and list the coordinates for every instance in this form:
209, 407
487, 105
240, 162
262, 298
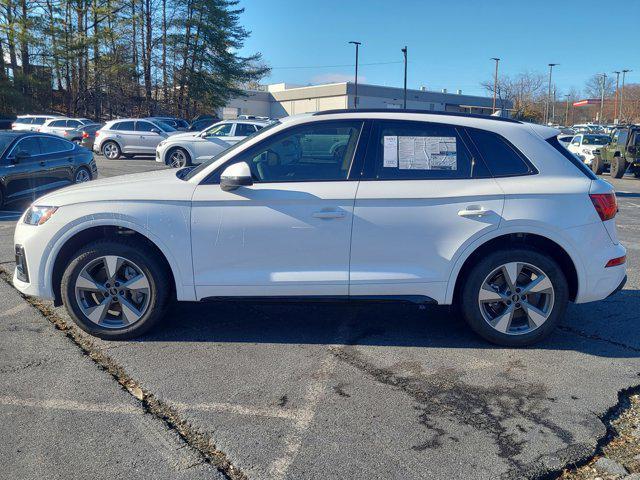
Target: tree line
528, 93
114, 58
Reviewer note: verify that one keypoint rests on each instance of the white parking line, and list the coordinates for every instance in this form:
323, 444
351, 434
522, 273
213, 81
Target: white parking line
274, 412
70, 405
13, 310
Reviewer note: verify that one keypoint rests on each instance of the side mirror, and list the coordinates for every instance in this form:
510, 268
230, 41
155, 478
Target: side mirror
236, 175
20, 157
155, 130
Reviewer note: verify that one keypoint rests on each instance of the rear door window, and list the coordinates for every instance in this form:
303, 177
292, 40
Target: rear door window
54, 145
405, 150
124, 126
502, 158
29, 145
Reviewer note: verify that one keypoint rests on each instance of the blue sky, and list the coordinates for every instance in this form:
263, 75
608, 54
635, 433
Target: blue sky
450, 42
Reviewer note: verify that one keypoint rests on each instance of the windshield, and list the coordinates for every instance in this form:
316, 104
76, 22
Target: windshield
165, 127
596, 139
204, 165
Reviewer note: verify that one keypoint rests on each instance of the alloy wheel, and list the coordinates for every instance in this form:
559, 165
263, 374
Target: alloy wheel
82, 176
516, 298
110, 150
178, 159
112, 292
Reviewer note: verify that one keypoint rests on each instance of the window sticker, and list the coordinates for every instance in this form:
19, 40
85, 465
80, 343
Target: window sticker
427, 153
390, 154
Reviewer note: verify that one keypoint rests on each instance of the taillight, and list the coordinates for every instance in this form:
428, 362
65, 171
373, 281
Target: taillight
85, 135
614, 262
605, 204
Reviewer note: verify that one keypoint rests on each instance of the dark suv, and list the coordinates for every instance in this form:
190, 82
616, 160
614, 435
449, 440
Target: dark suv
621, 153
34, 163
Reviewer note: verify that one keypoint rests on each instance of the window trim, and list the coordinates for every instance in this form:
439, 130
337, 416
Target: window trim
9, 156
357, 160
532, 168
368, 170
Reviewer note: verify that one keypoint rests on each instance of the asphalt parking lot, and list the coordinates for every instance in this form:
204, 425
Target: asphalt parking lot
295, 391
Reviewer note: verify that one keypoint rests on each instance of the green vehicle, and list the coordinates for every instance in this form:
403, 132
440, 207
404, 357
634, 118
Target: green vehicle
621, 153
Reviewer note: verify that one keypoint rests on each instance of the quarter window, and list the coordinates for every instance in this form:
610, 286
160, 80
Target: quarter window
501, 158
419, 151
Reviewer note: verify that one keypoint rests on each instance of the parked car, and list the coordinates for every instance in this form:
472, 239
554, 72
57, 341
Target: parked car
86, 135
586, 145
177, 123
7, 122
130, 136
202, 123
192, 148
31, 123
63, 126
34, 163
565, 140
490, 214
621, 153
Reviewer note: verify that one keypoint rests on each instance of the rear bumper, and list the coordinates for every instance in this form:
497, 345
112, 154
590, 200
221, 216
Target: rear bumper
619, 287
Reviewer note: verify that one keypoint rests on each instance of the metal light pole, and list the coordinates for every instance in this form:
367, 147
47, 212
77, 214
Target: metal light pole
604, 80
495, 83
624, 74
553, 106
546, 111
355, 100
566, 112
404, 51
615, 100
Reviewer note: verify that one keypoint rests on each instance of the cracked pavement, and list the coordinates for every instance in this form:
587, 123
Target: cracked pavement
296, 391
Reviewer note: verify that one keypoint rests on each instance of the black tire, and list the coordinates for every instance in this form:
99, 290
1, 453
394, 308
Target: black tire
618, 167
597, 164
636, 172
470, 292
1, 198
185, 155
109, 144
83, 174
155, 271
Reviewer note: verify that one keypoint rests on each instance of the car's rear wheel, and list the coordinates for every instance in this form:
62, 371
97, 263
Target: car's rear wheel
111, 150
597, 164
178, 158
514, 297
618, 167
114, 290
82, 175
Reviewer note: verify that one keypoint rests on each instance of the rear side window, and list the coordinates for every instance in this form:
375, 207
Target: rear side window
39, 120
54, 145
58, 123
29, 145
502, 159
553, 141
418, 151
128, 126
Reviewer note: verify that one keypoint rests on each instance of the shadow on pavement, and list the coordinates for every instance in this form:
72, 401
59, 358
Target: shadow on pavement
607, 328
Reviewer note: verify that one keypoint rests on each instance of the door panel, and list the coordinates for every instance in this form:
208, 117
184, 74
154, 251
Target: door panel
272, 239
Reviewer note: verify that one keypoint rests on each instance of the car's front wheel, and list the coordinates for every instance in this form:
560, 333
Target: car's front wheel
597, 164
115, 290
178, 158
514, 297
618, 167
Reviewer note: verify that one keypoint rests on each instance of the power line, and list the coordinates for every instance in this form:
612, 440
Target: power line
332, 66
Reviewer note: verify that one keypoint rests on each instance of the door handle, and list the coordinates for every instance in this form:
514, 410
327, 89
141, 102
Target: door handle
473, 211
326, 214
42, 163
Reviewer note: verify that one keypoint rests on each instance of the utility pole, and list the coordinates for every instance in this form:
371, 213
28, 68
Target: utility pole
546, 110
495, 83
566, 112
615, 100
355, 100
624, 74
404, 52
553, 106
604, 80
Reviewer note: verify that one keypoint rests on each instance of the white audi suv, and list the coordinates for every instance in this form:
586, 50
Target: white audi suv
491, 215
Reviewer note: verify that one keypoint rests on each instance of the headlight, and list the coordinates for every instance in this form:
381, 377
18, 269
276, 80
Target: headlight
37, 215
163, 142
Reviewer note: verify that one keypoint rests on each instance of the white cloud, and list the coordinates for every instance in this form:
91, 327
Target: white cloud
336, 77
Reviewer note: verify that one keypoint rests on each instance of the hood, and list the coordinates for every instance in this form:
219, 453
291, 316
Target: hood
160, 185
183, 135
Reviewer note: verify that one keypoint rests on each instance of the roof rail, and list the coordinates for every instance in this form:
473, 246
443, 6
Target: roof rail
407, 110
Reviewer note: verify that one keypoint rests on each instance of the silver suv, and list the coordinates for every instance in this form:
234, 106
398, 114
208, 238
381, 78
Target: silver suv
131, 136
63, 126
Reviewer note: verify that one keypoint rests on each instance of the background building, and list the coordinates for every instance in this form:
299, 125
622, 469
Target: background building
281, 99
